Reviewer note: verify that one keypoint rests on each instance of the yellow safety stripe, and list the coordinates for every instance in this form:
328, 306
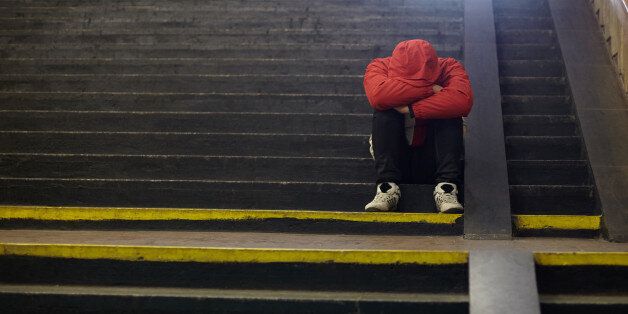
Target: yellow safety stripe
560, 222
232, 255
142, 214
581, 258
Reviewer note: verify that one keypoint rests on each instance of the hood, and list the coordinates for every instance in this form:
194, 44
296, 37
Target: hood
415, 63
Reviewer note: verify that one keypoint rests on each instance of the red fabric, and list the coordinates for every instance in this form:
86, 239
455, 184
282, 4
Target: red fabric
407, 77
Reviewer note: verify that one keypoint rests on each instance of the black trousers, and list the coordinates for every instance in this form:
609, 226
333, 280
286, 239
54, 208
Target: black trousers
437, 160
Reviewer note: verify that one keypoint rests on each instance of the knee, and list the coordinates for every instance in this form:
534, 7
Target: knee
390, 114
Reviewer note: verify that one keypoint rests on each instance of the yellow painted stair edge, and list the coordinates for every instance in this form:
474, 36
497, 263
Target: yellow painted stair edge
63, 213
232, 255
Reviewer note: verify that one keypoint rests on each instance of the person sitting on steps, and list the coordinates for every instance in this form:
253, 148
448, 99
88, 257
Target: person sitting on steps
419, 101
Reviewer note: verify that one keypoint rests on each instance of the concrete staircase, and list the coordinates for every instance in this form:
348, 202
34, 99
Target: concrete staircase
548, 170
212, 156
216, 105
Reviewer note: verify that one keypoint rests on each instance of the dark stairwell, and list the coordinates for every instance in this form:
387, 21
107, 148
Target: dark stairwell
548, 170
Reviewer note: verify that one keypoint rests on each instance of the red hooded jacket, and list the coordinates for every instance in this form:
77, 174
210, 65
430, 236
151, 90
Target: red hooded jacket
406, 79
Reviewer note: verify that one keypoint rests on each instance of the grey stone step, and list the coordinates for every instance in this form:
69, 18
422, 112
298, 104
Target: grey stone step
185, 66
229, 23
525, 36
177, 300
548, 172
207, 194
506, 22
228, 39
531, 68
528, 52
109, 33
178, 143
181, 83
536, 104
544, 147
218, 168
285, 123
270, 103
515, 85
311, 50
540, 125
553, 200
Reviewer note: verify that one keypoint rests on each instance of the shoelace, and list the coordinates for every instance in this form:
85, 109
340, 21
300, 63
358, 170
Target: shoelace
447, 198
384, 197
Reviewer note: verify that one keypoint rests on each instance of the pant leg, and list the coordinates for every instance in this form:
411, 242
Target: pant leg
390, 147
448, 147
438, 159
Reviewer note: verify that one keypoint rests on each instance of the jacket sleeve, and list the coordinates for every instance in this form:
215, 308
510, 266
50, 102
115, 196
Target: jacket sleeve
453, 101
386, 93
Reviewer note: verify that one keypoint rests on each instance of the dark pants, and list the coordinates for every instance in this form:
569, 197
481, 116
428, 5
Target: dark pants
437, 160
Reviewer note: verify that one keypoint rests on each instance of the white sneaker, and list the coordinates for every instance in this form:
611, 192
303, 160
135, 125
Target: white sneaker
446, 198
371, 150
386, 199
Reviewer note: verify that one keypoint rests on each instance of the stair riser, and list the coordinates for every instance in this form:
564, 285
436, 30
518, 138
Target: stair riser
179, 194
227, 23
27, 302
506, 22
525, 37
277, 39
271, 276
192, 144
223, 123
536, 105
528, 52
533, 86
583, 280
213, 103
552, 200
531, 69
539, 149
331, 67
212, 51
517, 126
214, 168
548, 173
187, 84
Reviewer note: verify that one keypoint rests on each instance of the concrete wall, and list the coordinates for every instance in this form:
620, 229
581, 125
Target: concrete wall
612, 16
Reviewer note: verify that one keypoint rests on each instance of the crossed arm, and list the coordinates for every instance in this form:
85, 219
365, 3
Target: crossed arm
454, 99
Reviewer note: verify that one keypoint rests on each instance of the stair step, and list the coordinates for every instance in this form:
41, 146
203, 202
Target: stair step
207, 194
509, 22
548, 172
531, 68
263, 21
527, 6
219, 168
26, 298
213, 39
528, 52
553, 199
188, 122
220, 66
178, 143
388, 271
261, 33
195, 83
533, 36
536, 105
270, 103
300, 51
249, 3
540, 125
513, 85
244, 10
544, 147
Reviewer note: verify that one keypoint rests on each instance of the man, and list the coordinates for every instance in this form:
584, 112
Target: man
419, 101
